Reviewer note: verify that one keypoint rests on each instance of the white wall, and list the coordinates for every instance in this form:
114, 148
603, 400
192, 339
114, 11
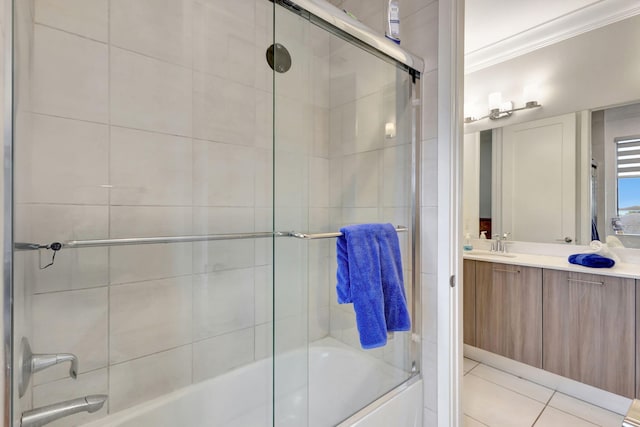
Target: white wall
593, 70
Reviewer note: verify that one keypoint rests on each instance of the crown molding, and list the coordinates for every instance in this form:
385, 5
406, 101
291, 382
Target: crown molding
564, 27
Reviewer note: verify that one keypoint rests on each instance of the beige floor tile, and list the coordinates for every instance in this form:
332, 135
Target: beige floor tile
552, 417
497, 406
586, 411
470, 422
468, 365
513, 383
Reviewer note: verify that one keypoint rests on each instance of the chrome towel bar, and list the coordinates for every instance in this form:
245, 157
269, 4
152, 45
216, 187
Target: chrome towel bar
399, 229
177, 239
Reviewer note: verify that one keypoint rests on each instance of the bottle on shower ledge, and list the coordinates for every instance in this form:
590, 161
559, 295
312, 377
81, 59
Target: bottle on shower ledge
393, 21
467, 243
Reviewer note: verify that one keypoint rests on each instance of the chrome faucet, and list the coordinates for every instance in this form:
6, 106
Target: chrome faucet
496, 243
499, 243
47, 414
32, 363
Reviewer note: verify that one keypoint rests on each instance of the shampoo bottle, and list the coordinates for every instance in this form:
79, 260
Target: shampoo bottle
393, 21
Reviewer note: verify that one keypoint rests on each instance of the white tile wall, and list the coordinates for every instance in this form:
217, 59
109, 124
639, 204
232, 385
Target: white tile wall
70, 76
148, 317
70, 322
67, 162
162, 30
223, 302
149, 262
263, 294
88, 18
223, 111
165, 178
224, 39
157, 96
217, 355
215, 166
142, 379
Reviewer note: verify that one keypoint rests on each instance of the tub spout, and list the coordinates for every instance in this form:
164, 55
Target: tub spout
46, 414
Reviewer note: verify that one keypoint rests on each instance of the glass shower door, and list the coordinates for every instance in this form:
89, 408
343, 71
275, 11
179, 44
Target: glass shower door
343, 154
143, 145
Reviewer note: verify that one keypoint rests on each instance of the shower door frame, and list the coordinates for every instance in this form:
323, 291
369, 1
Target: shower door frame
7, 240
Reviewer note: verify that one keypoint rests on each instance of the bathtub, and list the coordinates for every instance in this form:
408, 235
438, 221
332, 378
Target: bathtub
341, 381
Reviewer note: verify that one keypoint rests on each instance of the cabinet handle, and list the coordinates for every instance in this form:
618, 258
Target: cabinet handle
506, 271
589, 282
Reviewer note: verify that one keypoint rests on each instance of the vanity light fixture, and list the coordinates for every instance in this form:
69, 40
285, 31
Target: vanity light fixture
499, 109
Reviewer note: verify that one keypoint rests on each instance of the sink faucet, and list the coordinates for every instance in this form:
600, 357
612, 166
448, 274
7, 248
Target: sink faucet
41, 416
499, 243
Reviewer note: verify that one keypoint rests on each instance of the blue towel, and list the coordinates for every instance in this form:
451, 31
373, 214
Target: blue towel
370, 276
591, 260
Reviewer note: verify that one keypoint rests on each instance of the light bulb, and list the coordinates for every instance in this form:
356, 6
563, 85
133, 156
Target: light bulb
495, 100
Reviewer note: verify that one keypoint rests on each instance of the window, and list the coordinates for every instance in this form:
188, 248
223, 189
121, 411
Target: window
628, 180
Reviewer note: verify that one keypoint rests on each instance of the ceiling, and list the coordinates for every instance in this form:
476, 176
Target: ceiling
498, 30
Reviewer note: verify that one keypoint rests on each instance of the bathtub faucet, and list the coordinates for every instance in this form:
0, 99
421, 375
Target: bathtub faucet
41, 416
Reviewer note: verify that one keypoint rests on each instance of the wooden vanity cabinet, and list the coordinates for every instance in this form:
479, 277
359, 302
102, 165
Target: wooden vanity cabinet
509, 311
469, 302
589, 329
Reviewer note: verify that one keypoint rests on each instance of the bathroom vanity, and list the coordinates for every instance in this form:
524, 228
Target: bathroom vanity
572, 321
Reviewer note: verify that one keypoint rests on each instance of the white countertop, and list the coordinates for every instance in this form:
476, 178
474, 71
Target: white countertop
622, 269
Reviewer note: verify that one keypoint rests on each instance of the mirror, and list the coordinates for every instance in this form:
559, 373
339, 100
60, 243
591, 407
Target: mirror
543, 181
568, 172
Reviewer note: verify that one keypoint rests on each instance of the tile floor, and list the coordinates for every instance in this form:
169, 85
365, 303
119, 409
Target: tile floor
493, 398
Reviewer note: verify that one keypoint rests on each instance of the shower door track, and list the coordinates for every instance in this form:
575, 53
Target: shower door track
178, 239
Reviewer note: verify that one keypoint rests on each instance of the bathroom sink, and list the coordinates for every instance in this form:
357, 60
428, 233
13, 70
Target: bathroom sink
489, 253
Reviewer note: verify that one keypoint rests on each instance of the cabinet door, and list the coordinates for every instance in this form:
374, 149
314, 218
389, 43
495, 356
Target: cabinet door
589, 329
469, 301
509, 311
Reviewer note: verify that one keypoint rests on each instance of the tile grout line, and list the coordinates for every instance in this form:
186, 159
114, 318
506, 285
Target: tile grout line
546, 405
507, 388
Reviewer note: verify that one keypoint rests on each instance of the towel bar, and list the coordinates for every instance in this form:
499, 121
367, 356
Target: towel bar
399, 229
176, 239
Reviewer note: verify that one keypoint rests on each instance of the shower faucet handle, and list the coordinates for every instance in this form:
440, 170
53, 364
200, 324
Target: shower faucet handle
31, 363
43, 361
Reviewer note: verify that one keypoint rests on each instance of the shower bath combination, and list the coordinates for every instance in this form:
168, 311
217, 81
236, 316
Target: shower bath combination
181, 268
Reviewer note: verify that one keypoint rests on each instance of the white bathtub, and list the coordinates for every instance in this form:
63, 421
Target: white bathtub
341, 381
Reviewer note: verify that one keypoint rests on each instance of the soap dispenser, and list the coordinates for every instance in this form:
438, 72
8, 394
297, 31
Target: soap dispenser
467, 243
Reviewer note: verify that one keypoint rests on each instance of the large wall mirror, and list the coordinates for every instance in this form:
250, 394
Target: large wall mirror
567, 172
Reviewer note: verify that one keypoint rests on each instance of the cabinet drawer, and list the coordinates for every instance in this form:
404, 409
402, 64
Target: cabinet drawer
509, 311
589, 329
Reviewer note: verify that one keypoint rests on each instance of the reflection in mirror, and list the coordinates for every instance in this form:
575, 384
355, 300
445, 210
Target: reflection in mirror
533, 181
616, 158
547, 181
